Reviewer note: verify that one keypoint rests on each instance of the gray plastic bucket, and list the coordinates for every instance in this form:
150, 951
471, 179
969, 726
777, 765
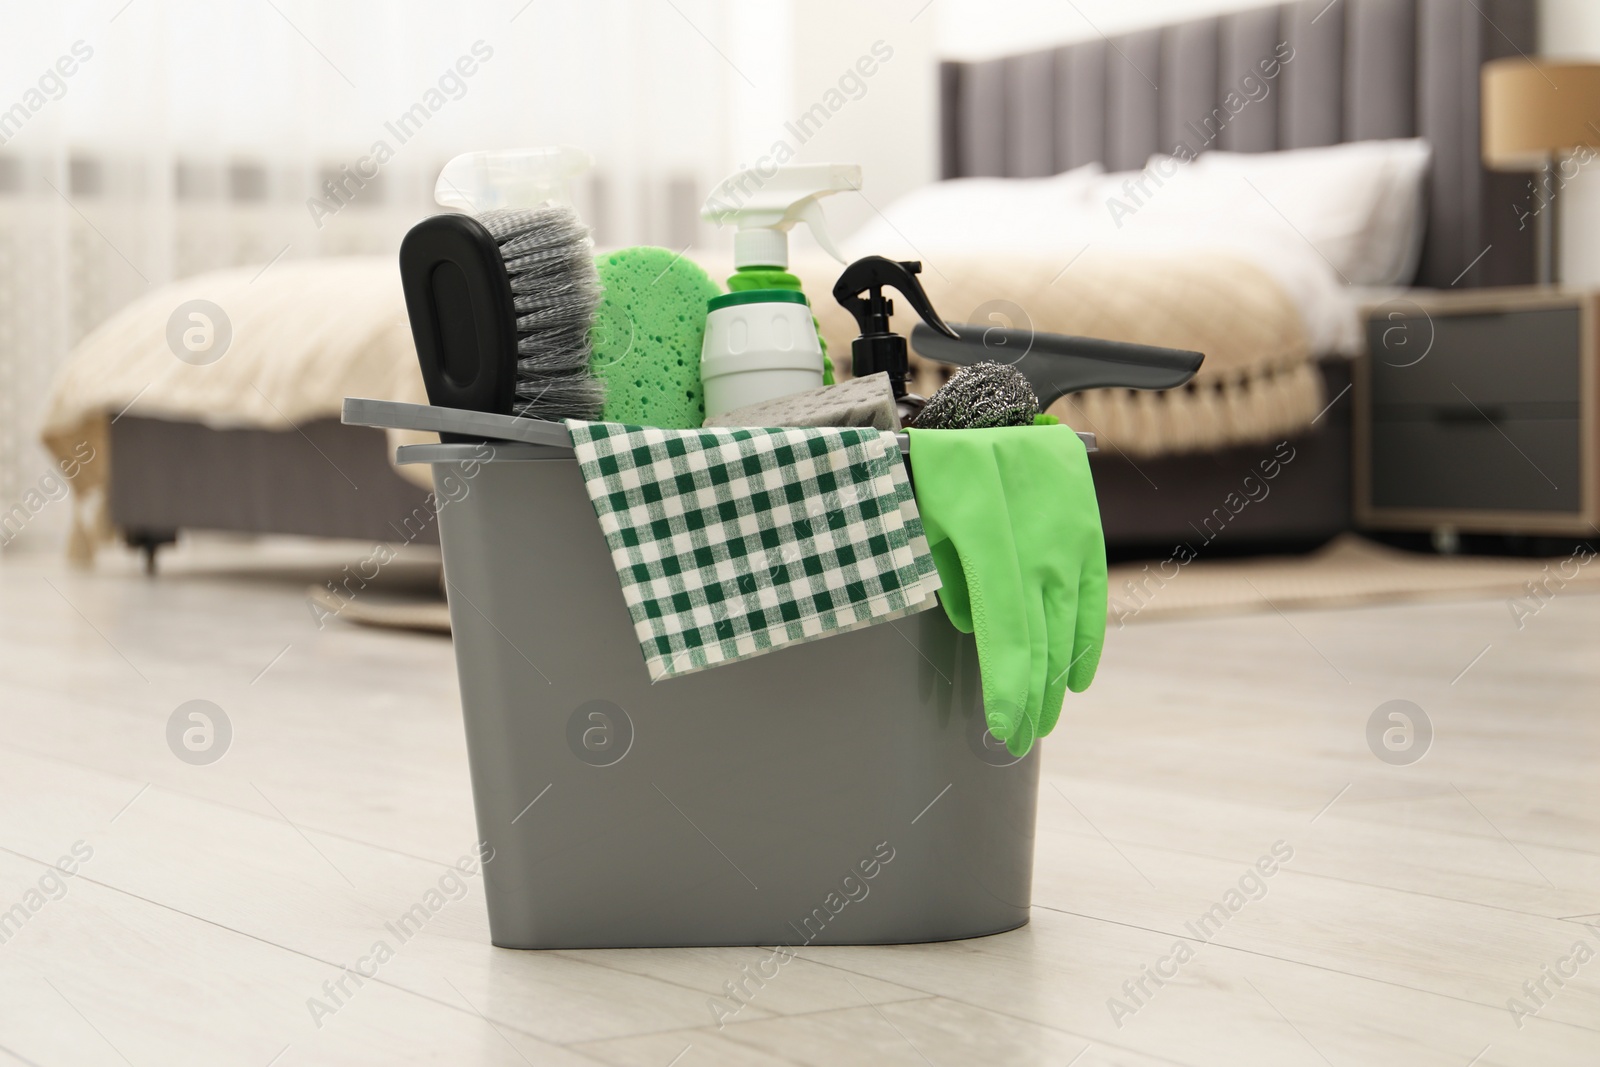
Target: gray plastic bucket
842, 791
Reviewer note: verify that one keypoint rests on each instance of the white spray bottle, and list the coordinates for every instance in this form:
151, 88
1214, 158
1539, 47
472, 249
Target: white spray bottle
761, 341
476, 182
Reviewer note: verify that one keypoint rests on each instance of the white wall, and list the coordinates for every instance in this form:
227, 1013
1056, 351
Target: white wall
892, 130
1570, 29
981, 29
800, 54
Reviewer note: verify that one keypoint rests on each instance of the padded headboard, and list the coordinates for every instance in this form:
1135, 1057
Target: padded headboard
1361, 70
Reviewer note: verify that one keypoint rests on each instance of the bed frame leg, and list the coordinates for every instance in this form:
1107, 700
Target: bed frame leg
150, 542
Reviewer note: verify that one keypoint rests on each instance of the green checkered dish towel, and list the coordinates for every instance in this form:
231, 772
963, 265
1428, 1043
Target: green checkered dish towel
734, 542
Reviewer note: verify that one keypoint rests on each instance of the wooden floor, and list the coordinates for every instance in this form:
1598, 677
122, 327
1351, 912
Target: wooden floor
216, 900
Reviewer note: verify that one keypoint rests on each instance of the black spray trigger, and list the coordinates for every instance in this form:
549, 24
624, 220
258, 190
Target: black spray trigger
859, 291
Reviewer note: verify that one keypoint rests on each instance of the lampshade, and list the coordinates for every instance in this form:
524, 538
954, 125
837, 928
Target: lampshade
1535, 111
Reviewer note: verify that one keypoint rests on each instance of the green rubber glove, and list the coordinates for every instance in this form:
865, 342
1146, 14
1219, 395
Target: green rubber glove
1014, 528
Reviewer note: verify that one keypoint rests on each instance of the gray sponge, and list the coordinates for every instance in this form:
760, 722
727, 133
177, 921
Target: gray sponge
859, 402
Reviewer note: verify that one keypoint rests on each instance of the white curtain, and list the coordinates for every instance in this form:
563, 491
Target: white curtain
145, 140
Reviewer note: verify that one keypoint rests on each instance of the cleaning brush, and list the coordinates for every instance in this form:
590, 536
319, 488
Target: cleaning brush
981, 396
554, 292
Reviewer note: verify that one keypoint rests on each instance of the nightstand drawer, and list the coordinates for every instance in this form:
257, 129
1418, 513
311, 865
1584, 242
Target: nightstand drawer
1470, 465
1512, 357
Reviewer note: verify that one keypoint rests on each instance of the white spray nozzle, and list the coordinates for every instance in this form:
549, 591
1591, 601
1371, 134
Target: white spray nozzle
511, 178
765, 205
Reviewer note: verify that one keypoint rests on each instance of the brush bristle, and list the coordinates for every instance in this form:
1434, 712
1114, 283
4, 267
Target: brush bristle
981, 396
554, 292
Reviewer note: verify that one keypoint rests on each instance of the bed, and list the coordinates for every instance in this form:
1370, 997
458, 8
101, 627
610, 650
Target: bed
1364, 70
252, 445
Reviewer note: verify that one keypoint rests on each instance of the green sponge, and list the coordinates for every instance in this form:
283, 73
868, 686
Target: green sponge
647, 335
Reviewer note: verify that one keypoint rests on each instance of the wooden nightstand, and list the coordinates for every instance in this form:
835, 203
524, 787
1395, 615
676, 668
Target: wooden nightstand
1478, 411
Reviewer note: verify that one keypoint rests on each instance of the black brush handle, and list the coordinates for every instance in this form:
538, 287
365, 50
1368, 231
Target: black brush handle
462, 320
1056, 364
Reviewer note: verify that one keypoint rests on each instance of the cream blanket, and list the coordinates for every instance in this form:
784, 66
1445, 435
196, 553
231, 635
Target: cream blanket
308, 333
1257, 383
305, 335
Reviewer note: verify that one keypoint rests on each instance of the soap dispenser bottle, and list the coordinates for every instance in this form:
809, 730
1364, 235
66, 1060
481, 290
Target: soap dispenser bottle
761, 340
860, 291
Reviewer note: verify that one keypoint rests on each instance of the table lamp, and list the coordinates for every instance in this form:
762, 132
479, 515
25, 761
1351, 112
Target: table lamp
1537, 114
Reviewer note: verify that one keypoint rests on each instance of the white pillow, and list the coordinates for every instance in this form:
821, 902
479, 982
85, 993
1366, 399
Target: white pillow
966, 214
1361, 205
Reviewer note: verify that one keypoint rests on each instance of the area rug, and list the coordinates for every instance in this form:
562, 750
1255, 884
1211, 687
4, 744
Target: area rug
385, 612
1348, 571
